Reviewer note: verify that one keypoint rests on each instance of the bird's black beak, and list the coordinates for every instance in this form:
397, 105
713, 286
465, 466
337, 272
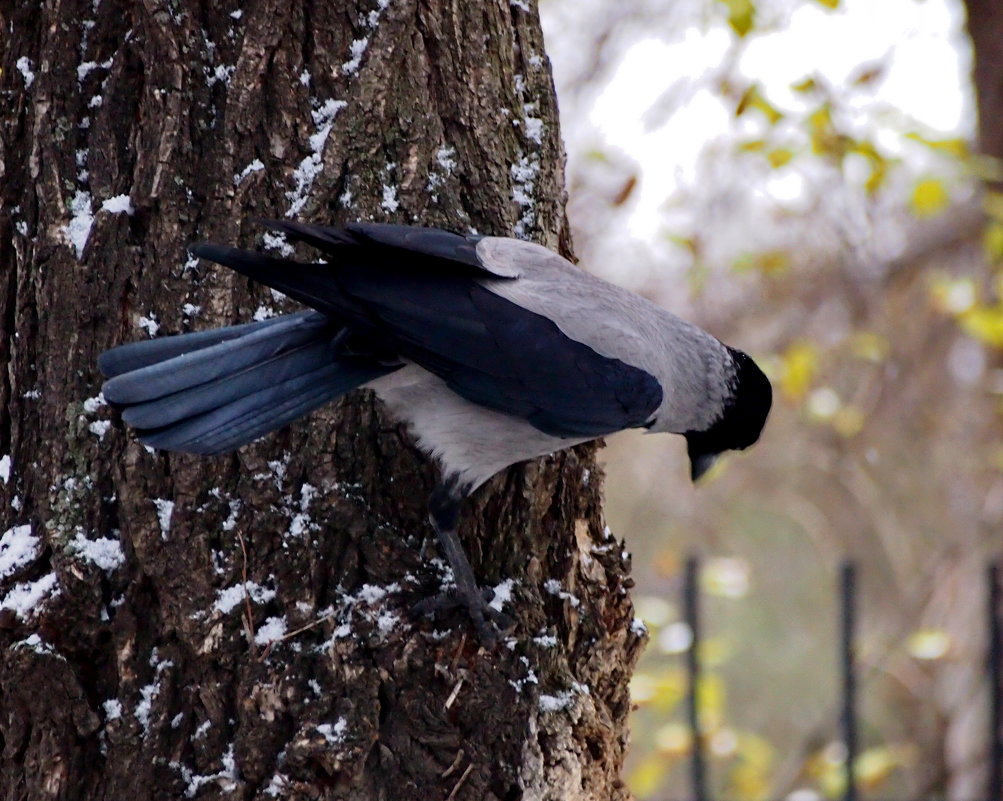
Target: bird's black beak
700, 463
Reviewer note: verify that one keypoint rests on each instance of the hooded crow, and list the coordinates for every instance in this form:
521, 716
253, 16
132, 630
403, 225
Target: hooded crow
493, 351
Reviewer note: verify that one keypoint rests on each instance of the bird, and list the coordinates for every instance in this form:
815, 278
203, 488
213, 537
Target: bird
493, 350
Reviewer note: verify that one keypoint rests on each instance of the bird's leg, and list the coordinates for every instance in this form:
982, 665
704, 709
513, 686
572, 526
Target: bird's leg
444, 513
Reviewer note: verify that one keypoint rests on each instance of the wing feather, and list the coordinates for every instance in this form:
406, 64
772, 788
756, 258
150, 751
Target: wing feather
400, 292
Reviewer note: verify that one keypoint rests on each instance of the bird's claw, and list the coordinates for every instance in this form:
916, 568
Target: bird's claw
489, 622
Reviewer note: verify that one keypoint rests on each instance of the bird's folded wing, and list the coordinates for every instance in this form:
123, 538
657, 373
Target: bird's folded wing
417, 244
488, 349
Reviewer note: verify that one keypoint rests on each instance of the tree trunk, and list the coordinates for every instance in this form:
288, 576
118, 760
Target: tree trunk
238, 626
961, 690
985, 26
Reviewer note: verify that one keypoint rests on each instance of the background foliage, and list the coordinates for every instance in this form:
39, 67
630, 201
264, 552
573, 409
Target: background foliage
795, 207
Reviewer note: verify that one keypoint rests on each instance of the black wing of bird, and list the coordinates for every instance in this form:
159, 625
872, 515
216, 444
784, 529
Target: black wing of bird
425, 293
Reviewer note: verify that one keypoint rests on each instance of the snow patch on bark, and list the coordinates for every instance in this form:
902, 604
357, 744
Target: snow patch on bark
165, 510
23, 65
274, 628
88, 67
553, 586
225, 777
120, 204
502, 594
104, 552
149, 693
26, 597
18, 547
39, 646
99, 428
79, 227
228, 599
254, 166
310, 167
334, 733
358, 50
149, 324
91, 405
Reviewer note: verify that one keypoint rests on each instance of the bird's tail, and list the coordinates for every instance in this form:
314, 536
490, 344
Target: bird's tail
214, 391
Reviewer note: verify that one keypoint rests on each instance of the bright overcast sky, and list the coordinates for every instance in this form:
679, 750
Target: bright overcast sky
921, 42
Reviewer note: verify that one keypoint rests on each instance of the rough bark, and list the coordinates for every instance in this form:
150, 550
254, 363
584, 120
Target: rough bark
147, 674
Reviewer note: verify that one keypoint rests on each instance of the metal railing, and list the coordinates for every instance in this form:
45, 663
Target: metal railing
848, 730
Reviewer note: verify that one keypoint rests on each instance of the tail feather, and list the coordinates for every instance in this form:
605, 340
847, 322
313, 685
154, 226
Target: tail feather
252, 416
213, 392
216, 361
134, 355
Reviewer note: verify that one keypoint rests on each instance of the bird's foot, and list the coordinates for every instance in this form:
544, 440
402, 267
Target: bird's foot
489, 621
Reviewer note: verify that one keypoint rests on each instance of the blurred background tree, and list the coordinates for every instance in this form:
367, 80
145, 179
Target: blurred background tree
807, 179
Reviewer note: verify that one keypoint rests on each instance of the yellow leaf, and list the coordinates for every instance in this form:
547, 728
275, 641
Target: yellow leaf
825, 140
867, 150
751, 777
799, 364
875, 765
992, 241
992, 202
711, 698
779, 157
768, 262
984, 323
741, 15
953, 147
877, 178
752, 98
929, 197
806, 86
664, 691
645, 779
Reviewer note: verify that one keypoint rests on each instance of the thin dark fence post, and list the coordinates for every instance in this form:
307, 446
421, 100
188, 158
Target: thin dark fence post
994, 663
848, 591
691, 607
